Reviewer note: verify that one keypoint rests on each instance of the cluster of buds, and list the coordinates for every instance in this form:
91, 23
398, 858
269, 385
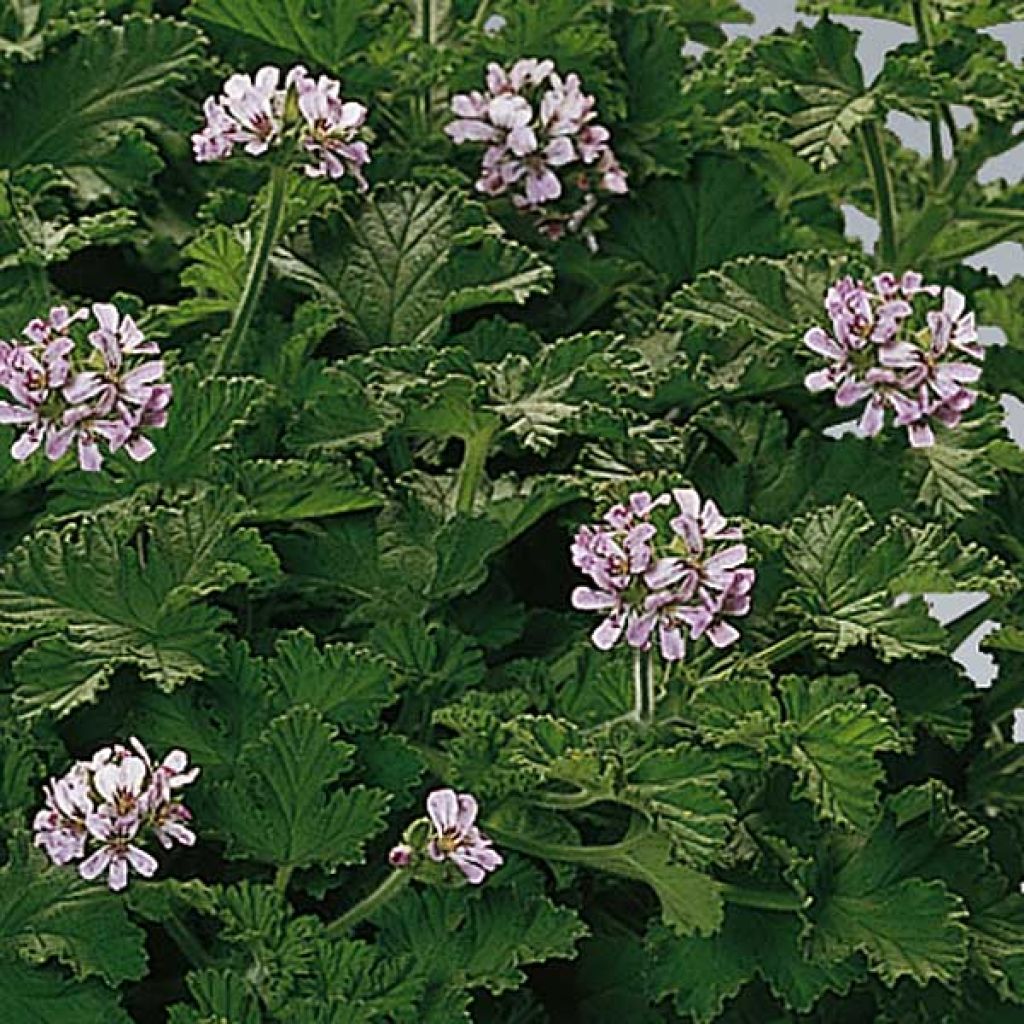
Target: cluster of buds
893, 346
449, 834
99, 813
671, 565
543, 145
66, 392
260, 114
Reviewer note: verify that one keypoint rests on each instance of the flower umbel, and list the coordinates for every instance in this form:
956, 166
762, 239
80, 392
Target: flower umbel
669, 565
307, 114
70, 386
102, 810
894, 347
545, 148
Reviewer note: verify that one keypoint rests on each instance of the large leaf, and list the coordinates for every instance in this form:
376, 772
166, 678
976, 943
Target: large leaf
326, 35
123, 590
391, 269
853, 580
284, 807
74, 110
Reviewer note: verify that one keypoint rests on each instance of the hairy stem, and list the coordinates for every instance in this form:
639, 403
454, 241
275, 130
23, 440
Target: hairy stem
643, 685
474, 458
265, 238
388, 889
882, 184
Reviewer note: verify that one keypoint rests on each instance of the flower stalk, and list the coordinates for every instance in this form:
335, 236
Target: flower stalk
267, 234
643, 685
387, 890
881, 182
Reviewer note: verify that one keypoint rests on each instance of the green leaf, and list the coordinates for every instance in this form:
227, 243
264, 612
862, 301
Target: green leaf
219, 995
327, 35
392, 272
702, 974
834, 738
51, 914
849, 574
283, 806
88, 602
71, 110
46, 997
348, 685
678, 228
286, 490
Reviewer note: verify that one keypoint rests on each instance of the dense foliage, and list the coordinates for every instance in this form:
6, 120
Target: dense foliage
316, 543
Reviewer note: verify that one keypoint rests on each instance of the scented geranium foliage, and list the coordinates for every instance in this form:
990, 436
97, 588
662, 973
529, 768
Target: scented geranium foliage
540, 556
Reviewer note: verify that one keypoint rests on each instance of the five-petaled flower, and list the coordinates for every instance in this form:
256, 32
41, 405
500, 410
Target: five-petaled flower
106, 388
101, 811
456, 838
893, 347
544, 147
268, 111
655, 572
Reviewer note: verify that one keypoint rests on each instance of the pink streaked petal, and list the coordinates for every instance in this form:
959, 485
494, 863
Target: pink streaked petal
587, 599
722, 634
921, 435
821, 342
93, 866
606, 636
443, 809
850, 392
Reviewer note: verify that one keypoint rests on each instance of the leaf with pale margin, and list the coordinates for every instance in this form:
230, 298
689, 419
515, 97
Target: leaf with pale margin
87, 603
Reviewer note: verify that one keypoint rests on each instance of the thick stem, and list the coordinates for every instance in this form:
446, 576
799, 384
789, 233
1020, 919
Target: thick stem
643, 685
474, 459
282, 877
265, 238
388, 889
882, 183
759, 899
782, 649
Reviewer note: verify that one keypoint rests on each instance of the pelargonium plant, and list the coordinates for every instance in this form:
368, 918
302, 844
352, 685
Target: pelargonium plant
545, 148
532, 636
896, 348
71, 387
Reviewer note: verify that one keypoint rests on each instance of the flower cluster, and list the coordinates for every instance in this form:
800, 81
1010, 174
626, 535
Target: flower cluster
102, 809
260, 113
454, 837
893, 346
670, 565
543, 145
65, 392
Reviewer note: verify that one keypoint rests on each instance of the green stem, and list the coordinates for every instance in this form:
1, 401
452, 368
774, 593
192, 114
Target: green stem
922, 23
882, 183
282, 877
264, 239
603, 857
569, 801
474, 458
761, 899
782, 649
643, 685
388, 889
185, 940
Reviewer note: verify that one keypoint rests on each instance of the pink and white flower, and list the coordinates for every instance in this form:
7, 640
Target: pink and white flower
103, 810
889, 350
296, 111
67, 393
456, 838
543, 146
664, 575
